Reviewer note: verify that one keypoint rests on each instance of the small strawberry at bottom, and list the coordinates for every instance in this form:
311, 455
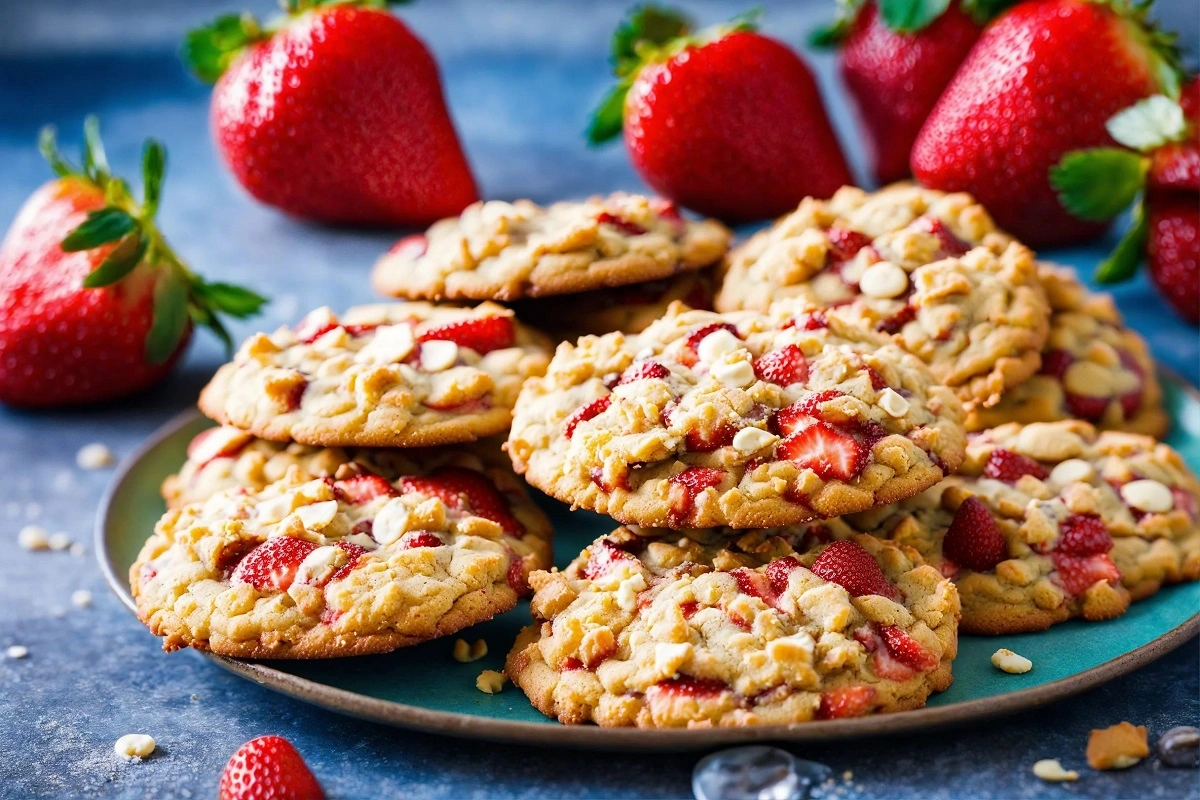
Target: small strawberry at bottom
850, 566
724, 121
268, 768
94, 305
974, 540
1173, 251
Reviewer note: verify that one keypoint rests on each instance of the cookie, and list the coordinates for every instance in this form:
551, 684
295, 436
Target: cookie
630, 309
659, 629
387, 375
349, 564
740, 419
1093, 368
504, 251
928, 268
1051, 521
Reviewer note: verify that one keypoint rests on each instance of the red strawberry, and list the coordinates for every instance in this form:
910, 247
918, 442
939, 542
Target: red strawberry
895, 66
1078, 573
621, 224
1041, 81
706, 440
1173, 250
725, 121
687, 486
784, 366
94, 305
687, 686
850, 566
907, 650
844, 243
364, 488
1056, 362
828, 451
420, 539
584, 413
1007, 466
466, 490
336, 114
973, 540
481, 334
1174, 167
1083, 535
604, 554
779, 571
273, 564
689, 357
1085, 407
643, 371
268, 768
846, 701
214, 443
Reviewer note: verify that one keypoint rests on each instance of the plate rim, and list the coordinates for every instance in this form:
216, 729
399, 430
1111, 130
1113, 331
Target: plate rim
591, 737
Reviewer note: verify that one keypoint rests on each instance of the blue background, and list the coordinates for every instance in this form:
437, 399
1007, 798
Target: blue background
520, 76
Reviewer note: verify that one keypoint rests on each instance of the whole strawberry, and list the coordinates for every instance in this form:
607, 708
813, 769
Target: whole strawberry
724, 121
94, 304
1042, 80
895, 58
268, 768
334, 113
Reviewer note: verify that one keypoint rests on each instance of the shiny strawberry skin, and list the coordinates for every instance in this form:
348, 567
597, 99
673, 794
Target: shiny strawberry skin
273, 564
974, 540
734, 129
1173, 250
268, 768
1042, 80
481, 334
850, 566
469, 491
364, 488
61, 344
1005, 465
895, 79
846, 701
1175, 167
340, 117
828, 451
784, 366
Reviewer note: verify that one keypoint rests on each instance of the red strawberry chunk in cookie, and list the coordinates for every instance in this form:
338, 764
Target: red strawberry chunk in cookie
1005, 465
846, 701
605, 553
273, 564
769, 584
217, 443
779, 571
1131, 401
1086, 407
481, 334
828, 451
844, 244
688, 357
1055, 363
359, 489
907, 650
1078, 573
687, 486
791, 418
951, 245
420, 539
353, 553
850, 566
897, 321
466, 490
410, 246
621, 224
706, 440
584, 413
783, 367
295, 395
687, 686
974, 540
643, 371
1083, 535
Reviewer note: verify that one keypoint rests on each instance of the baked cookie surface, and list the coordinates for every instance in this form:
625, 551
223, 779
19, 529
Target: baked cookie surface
349, 564
497, 250
1050, 521
672, 629
704, 420
1093, 368
928, 268
386, 375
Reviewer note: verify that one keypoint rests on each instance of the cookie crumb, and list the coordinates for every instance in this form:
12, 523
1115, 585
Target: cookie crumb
134, 745
490, 681
33, 537
59, 541
81, 598
17, 651
1048, 769
467, 653
1119, 746
94, 456
1006, 660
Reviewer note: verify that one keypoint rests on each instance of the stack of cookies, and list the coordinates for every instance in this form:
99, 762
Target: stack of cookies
897, 425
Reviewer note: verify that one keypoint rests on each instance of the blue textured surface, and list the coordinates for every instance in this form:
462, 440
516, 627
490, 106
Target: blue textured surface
520, 76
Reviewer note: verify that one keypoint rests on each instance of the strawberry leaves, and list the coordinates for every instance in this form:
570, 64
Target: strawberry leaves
910, 16
208, 51
101, 227
1100, 183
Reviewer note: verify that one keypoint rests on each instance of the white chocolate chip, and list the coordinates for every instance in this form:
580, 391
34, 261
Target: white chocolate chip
1048, 769
317, 516
883, 280
391, 343
1006, 660
1089, 379
1147, 495
320, 564
134, 745
17, 651
81, 598
362, 540
893, 402
59, 541
738, 374
266, 512
32, 537
751, 440
627, 591
438, 355
716, 345
332, 340
490, 681
1073, 470
670, 656
94, 456
391, 522
467, 653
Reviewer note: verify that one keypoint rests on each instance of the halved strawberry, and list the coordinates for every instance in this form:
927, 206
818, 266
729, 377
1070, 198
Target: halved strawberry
828, 451
783, 367
844, 243
846, 701
850, 566
706, 440
584, 413
687, 486
643, 371
604, 554
469, 491
974, 540
363, 488
1077, 573
623, 225
1007, 466
1083, 535
951, 245
688, 356
778, 572
481, 334
907, 650
273, 564
354, 553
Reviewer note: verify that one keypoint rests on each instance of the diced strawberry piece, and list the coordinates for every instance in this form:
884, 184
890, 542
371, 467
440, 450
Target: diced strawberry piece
1131, 401
783, 367
363, 488
687, 686
844, 243
687, 486
315, 325
689, 609
359, 330
295, 395
354, 553
897, 321
1055, 363
1005, 465
621, 224
644, 371
481, 334
877, 381
778, 572
412, 247
753, 583
1077, 573
469, 491
951, 245
1184, 501
667, 210
870, 432
584, 413
974, 540
604, 554
688, 356
1084, 407
1083, 535
273, 564
850, 566
215, 443
828, 451
419, 539
268, 768
517, 579
700, 440
571, 664
907, 650
846, 701
813, 321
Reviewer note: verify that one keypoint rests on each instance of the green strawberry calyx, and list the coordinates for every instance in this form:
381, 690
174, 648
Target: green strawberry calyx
180, 295
209, 50
650, 34
906, 17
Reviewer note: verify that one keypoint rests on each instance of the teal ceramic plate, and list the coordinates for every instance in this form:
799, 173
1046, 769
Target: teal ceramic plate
424, 688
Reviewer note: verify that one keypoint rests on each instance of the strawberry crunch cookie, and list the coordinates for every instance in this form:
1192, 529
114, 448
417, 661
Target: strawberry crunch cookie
387, 375
497, 250
349, 564
1093, 368
666, 629
928, 268
706, 419
1051, 521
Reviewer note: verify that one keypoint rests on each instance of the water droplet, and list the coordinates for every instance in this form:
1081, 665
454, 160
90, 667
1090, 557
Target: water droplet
756, 773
